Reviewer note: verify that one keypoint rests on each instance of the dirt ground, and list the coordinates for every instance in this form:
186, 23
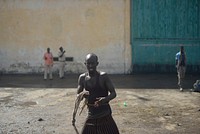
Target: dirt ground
145, 104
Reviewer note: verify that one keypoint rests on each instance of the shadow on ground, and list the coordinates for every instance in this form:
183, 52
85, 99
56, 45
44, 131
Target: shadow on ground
137, 81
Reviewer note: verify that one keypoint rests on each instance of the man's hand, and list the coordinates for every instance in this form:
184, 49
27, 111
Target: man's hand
100, 101
86, 94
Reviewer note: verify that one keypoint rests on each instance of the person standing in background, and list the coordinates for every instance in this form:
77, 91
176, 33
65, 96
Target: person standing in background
181, 66
48, 58
61, 59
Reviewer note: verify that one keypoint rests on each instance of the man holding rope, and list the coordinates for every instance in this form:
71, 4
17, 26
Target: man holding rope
98, 90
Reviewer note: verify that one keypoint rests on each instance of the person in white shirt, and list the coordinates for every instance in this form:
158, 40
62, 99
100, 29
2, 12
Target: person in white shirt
61, 59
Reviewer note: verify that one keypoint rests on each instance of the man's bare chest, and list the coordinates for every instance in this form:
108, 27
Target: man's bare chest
93, 82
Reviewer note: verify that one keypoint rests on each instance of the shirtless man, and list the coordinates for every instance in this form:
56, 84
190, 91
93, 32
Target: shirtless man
101, 91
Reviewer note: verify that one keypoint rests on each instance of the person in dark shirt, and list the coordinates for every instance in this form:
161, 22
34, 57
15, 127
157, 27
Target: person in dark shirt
101, 91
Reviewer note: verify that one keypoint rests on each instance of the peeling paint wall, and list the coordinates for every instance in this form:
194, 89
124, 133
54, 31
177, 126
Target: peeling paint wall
28, 27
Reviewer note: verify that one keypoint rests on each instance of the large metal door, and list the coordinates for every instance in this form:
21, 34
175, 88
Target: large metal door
159, 28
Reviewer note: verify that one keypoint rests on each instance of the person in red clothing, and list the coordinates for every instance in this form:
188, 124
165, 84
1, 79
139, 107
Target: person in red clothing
101, 91
48, 58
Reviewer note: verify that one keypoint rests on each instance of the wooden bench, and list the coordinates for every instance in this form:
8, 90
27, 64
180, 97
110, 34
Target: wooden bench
66, 59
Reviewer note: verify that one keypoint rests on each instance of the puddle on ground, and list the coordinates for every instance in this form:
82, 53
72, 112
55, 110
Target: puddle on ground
28, 104
9, 99
6, 99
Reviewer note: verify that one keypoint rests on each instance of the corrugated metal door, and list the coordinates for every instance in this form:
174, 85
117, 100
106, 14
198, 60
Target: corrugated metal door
158, 28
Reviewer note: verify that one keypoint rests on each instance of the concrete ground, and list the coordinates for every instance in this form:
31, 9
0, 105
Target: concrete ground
146, 104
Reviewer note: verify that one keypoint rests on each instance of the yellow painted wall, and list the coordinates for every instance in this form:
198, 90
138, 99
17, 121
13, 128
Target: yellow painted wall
28, 27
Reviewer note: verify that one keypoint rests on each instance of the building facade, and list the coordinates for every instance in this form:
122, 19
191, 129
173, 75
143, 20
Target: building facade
28, 27
158, 29
129, 36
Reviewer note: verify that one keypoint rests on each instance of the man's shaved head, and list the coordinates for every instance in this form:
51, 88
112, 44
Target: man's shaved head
91, 56
91, 62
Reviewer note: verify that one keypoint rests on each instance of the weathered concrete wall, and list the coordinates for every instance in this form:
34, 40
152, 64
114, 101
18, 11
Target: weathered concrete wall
28, 27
